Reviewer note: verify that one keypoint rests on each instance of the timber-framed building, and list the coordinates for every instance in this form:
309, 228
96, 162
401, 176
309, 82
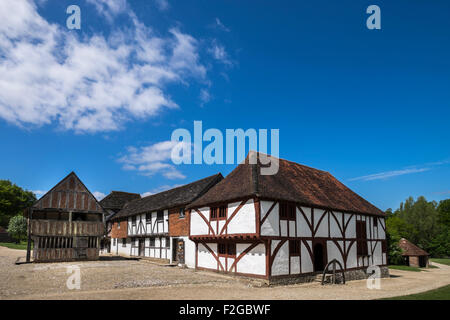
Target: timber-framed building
65, 224
286, 226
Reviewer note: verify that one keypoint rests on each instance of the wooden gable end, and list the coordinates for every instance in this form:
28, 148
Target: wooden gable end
69, 194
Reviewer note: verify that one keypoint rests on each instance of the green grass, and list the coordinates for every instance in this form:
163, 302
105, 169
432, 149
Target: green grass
21, 246
442, 293
441, 261
405, 268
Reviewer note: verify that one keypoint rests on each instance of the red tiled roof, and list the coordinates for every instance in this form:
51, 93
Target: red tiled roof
409, 249
293, 182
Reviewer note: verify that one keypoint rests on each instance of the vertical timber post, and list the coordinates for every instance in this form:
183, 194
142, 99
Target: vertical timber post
30, 217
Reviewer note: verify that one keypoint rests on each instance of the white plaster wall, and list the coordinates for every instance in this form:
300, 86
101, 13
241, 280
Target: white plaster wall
254, 262
270, 225
295, 265
245, 220
381, 233
335, 232
280, 264
302, 226
334, 253
283, 228
351, 257
351, 228
377, 254
205, 258
198, 225
323, 226
291, 230
307, 264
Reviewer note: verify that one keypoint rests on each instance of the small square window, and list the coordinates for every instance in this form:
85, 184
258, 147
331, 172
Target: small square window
182, 213
218, 213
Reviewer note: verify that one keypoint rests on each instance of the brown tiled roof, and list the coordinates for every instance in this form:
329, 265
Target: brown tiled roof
409, 249
293, 182
69, 194
117, 199
179, 196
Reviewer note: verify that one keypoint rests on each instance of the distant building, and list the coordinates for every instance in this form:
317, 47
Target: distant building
66, 224
112, 204
157, 226
4, 236
414, 256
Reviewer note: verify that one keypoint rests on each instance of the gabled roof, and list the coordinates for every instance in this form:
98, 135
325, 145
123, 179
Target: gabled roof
179, 196
117, 199
409, 249
69, 194
293, 182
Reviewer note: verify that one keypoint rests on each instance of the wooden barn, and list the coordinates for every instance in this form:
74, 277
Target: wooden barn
413, 255
157, 226
66, 223
285, 227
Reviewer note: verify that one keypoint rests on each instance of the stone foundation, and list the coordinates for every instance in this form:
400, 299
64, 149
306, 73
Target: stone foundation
350, 275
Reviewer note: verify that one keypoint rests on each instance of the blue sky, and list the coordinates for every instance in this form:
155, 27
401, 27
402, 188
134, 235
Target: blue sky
369, 106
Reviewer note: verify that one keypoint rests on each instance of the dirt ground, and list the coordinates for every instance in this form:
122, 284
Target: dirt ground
113, 278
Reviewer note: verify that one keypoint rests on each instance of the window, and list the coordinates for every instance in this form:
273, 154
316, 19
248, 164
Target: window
160, 215
218, 213
133, 220
118, 225
287, 211
361, 238
124, 242
226, 249
294, 247
182, 213
152, 242
375, 222
148, 217
167, 242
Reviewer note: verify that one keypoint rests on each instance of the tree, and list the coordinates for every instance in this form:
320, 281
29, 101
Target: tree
13, 200
17, 227
444, 212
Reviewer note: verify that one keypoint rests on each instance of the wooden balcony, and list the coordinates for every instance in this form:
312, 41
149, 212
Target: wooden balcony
66, 228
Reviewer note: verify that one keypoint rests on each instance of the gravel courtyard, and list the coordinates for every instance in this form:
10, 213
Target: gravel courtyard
111, 278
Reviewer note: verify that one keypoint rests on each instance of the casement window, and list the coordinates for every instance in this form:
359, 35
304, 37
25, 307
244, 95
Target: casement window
167, 242
218, 213
287, 211
361, 238
124, 242
133, 220
294, 247
152, 242
148, 217
160, 215
182, 213
226, 249
118, 225
375, 222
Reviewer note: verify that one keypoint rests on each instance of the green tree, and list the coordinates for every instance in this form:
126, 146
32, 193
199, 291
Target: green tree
444, 212
17, 227
13, 200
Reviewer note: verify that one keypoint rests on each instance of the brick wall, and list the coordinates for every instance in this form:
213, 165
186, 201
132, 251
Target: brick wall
121, 232
178, 226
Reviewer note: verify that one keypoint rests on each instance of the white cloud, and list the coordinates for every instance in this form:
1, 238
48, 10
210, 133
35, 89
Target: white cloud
407, 170
162, 5
219, 25
39, 193
219, 53
109, 8
152, 159
98, 195
205, 96
389, 174
159, 189
49, 75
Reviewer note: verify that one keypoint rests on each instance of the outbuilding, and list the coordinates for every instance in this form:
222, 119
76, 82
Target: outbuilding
414, 256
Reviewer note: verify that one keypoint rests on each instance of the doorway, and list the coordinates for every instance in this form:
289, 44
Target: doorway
141, 247
318, 252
